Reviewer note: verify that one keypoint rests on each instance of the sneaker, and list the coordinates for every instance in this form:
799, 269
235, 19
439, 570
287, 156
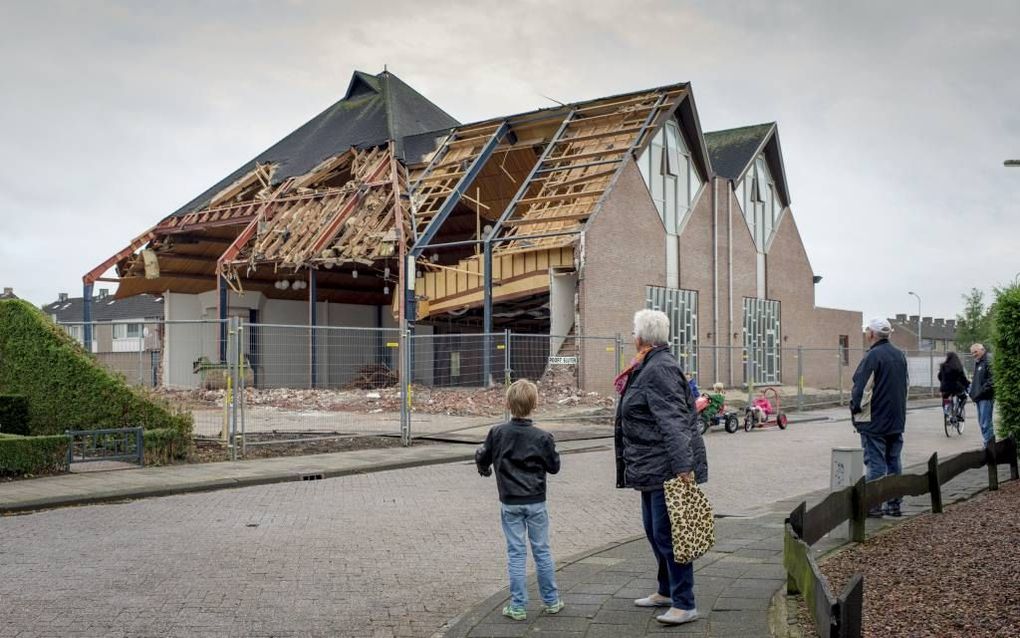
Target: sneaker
875, 513
678, 616
554, 608
516, 613
655, 600
893, 511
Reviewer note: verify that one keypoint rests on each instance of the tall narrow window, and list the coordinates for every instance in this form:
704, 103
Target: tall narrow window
759, 197
671, 175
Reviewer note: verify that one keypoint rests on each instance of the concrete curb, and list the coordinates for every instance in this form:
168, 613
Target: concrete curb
213, 484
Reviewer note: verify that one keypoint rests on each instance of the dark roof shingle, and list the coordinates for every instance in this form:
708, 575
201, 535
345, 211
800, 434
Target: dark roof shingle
375, 108
107, 308
733, 150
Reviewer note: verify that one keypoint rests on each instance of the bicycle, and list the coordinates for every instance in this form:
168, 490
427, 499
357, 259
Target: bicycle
953, 414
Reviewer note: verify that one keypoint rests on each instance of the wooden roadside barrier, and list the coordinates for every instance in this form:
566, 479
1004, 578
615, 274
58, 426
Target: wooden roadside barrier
841, 616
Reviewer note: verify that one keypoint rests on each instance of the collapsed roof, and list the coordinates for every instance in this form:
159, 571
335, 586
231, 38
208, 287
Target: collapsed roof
384, 171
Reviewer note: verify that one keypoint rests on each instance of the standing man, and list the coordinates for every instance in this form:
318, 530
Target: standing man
982, 391
878, 407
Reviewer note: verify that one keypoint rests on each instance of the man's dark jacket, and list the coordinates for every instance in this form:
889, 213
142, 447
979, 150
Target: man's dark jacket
656, 426
522, 454
982, 388
878, 402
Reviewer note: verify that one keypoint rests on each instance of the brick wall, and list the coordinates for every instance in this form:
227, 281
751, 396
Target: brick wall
789, 279
624, 250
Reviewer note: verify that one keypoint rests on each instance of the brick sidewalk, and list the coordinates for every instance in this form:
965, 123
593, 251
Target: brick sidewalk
734, 584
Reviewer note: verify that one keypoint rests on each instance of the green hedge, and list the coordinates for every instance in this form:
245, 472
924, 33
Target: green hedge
13, 414
32, 454
165, 445
66, 388
1006, 360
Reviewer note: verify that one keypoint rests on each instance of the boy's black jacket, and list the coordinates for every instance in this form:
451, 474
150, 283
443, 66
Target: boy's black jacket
521, 454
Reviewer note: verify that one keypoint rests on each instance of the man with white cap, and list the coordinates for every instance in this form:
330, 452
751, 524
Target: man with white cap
878, 407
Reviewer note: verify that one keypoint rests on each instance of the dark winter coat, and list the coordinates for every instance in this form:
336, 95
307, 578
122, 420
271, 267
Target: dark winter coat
522, 454
657, 436
878, 402
952, 382
982, 388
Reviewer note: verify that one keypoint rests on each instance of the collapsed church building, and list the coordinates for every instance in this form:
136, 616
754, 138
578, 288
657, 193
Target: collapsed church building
385, 212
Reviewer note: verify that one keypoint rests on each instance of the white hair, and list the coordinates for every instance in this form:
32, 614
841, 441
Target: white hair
651, 327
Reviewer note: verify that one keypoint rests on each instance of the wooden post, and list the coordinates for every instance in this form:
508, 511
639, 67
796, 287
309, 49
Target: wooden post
859, 512
1014, 471
797, 520
851, 608
934, 485
993, 468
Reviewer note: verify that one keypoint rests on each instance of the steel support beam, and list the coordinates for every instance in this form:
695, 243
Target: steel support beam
487, 312
221, 288
507, 212
313, 321
440, 217
87, 316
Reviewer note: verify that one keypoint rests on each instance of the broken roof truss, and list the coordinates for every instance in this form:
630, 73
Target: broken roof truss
303, 225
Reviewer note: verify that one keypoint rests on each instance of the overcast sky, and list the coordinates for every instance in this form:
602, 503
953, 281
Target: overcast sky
895, 118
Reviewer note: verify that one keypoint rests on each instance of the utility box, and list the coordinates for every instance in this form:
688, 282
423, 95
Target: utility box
847, 468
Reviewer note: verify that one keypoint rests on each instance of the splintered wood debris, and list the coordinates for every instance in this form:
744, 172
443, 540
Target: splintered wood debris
306, 223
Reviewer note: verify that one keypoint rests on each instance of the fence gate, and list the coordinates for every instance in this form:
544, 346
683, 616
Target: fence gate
117, 444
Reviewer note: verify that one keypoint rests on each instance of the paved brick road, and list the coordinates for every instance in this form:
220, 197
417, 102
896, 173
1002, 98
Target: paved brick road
387, 554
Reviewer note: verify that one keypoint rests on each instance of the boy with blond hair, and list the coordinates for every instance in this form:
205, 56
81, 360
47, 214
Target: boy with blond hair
522, 455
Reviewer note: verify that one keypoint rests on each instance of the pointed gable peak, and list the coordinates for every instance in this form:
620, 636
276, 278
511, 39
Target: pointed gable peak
362, 84
733, 150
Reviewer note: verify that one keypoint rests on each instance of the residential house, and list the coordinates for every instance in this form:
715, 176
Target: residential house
127, 332
937, 335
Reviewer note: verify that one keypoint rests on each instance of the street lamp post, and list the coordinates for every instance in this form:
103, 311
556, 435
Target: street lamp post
918, 318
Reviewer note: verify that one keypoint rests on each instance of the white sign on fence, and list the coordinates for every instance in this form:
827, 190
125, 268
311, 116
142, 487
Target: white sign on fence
563, 361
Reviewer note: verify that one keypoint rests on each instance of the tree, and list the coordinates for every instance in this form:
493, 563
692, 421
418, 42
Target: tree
1006, 361
974, 325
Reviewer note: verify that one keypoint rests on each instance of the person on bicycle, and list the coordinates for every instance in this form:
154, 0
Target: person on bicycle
953, 382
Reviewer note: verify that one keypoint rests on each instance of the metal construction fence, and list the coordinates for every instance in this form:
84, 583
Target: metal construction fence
258, 383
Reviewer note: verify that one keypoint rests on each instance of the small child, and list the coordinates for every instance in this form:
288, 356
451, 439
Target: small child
522, 455
762, 408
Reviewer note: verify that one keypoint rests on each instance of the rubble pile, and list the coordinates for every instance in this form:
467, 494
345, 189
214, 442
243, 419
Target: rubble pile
556, 392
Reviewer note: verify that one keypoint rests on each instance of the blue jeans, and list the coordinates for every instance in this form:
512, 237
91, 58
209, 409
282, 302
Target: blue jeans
882, 458
531, 521
984, 413
675, 581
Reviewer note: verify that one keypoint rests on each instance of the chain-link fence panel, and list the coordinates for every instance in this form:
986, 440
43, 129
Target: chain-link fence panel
130, 349
302, 383
574, 375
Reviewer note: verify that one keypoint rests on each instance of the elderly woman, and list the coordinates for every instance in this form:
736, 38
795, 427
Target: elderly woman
657, 439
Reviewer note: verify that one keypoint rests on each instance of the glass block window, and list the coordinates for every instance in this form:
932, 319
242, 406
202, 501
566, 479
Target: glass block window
681, 306
762, 350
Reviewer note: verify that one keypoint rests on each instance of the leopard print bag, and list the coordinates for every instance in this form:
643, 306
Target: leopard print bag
690, 520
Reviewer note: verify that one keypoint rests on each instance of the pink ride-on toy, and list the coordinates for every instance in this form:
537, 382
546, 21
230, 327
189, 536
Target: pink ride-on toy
765, 412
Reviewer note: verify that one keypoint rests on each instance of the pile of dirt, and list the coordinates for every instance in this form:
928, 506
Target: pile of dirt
207, 451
